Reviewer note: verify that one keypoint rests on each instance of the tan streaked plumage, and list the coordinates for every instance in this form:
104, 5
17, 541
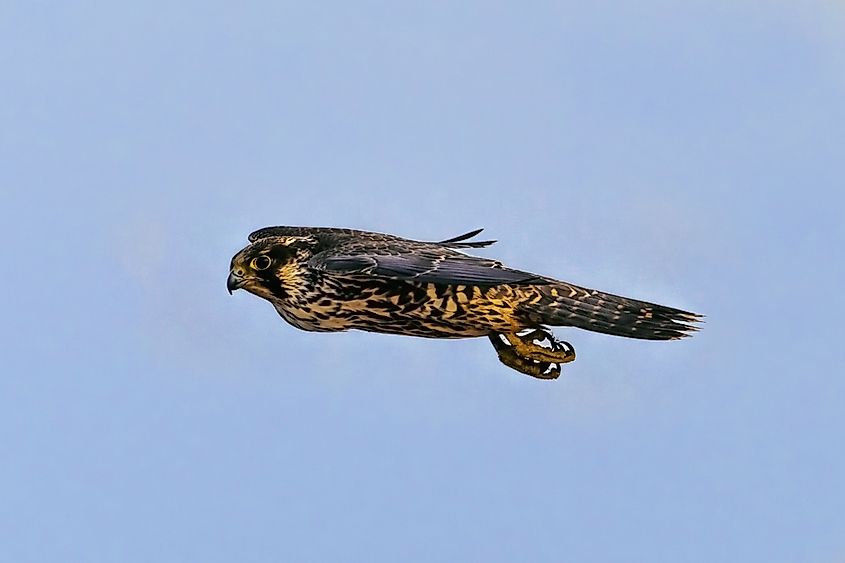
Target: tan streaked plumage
326, 279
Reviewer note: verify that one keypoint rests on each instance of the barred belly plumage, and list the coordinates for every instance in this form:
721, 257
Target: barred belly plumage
414, 309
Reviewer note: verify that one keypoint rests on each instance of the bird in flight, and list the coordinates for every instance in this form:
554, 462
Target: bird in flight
328, 279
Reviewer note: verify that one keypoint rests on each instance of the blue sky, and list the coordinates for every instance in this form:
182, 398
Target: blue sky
686, 154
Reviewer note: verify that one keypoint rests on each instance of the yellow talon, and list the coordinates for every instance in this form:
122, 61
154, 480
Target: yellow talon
527, 354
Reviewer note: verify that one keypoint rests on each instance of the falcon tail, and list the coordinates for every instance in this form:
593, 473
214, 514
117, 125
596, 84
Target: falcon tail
563, 304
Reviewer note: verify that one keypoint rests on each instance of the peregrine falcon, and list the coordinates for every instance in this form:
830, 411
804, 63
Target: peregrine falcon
329, 279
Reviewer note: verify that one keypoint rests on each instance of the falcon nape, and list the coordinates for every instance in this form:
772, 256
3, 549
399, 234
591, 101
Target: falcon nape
327, 279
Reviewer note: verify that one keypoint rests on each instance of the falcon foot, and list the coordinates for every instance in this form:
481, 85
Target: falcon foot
535, 352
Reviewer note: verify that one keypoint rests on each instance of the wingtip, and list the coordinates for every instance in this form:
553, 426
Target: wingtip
461, 241
462, 237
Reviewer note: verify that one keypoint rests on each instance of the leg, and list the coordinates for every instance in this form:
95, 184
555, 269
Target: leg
541, 345
526, 352
540, 370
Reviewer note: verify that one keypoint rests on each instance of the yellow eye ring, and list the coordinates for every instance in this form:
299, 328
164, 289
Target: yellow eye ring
261, 262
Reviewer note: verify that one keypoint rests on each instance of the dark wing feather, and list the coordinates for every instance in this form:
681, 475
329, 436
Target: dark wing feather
457, 242
436, 265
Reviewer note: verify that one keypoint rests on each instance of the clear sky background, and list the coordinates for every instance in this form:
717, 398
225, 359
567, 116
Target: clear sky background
689, 153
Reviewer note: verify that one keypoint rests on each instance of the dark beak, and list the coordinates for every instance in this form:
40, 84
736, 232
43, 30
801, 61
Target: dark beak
233, 282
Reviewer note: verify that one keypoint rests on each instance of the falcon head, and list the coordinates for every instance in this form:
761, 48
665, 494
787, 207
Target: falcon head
270, 266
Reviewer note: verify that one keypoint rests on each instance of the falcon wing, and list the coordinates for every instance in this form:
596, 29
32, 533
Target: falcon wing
423, 264
459, 241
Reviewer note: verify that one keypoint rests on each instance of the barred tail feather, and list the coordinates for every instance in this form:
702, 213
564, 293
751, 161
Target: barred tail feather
564, 304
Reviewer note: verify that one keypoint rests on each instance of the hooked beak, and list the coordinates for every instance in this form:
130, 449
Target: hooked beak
234, 282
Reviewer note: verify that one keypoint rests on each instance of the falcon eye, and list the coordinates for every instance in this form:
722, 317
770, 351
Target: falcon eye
261, 262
